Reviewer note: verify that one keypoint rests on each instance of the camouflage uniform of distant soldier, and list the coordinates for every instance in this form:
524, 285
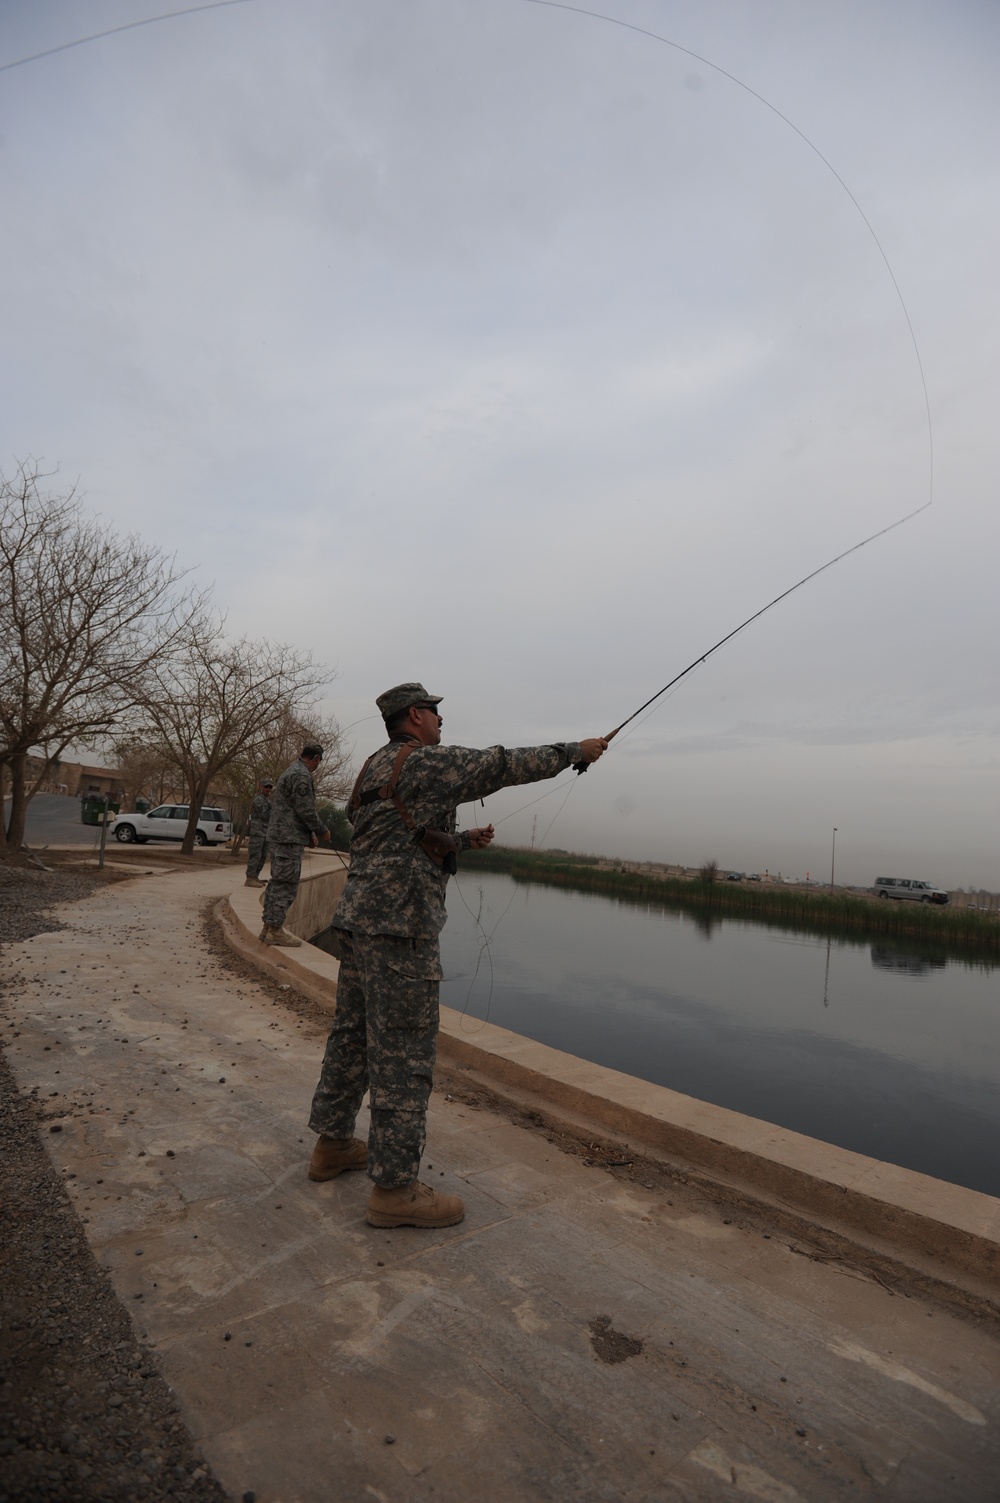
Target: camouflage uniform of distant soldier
294, 824
384, 1033
257, 822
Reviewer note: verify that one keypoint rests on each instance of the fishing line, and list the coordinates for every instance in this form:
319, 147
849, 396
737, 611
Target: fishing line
544, 835
656, 36
529, 805
97, 36
484, 949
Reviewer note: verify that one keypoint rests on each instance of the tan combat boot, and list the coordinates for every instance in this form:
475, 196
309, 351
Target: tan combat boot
254, 882
275, 935
413, 1205
331, 1156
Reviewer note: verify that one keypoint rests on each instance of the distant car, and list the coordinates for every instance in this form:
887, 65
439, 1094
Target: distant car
734, 877
909, 889
754, 877
169, 822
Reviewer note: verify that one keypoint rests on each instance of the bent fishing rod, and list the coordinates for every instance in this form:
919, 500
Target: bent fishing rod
582, 766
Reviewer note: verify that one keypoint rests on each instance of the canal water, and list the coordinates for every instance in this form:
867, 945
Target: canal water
876, 1048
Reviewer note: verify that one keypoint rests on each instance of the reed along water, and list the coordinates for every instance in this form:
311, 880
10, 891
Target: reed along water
878, 1047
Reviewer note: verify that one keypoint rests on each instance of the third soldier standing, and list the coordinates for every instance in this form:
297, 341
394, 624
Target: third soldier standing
260, 814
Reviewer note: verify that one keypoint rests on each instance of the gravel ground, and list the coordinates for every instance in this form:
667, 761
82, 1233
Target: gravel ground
84, 1414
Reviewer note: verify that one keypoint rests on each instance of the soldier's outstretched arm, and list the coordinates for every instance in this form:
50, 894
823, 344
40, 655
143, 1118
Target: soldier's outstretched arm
458, 774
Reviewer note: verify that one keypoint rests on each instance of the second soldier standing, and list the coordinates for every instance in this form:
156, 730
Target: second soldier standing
294, 824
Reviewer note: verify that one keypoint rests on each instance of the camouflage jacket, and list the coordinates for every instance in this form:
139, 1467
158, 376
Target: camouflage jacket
293, 808
260, 814
393, 886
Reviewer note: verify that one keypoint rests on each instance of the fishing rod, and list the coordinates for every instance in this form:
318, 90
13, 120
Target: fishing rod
582, 766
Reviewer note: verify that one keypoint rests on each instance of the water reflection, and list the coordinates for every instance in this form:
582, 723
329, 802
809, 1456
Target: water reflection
906, 962
706, 923
882, 1048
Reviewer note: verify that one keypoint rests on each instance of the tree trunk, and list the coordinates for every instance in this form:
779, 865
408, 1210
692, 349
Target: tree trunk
3, 808
197, 796
18, 802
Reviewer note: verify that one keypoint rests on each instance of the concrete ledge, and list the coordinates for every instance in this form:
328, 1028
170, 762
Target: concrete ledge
942, 1227
939, 1228
308, 969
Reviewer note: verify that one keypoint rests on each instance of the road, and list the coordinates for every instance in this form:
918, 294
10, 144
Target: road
54, 819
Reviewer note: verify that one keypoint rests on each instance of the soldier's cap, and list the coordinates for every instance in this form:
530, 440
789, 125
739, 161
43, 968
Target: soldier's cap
312, 749
394, 701
267, 782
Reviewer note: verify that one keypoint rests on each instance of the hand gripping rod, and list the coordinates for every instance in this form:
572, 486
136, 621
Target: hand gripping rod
582, 766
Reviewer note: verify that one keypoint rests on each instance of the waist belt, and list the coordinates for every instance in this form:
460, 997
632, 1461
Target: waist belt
441, 847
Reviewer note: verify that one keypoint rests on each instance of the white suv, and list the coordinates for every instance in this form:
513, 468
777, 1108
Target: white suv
169, 822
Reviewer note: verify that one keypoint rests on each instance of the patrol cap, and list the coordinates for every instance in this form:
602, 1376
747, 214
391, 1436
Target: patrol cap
394, 701
312, 749
267, 782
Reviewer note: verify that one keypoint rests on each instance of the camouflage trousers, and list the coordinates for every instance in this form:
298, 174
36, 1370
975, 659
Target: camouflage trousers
286, 870
256, 853
383, 1039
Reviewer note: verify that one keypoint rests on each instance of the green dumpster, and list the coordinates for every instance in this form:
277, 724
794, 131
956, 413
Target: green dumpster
92, 809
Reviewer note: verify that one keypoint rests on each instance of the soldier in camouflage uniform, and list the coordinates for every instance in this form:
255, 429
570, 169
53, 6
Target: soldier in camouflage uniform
384, 1034
294, 824
260, 813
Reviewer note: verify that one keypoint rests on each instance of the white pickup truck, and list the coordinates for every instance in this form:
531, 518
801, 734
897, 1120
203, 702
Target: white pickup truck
169, 822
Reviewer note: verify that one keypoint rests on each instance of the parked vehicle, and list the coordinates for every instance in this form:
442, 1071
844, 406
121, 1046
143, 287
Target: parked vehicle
734, 877
909, 889
169, 822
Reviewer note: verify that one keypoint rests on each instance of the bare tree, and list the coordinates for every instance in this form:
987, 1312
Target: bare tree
146, 769
217, 704
84, 615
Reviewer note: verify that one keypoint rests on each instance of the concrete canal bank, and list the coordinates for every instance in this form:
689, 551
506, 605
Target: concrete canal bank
582, 1335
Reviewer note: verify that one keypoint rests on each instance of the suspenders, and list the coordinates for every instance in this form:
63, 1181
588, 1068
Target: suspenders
440, 847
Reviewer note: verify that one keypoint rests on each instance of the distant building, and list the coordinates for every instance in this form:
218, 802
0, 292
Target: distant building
74, 779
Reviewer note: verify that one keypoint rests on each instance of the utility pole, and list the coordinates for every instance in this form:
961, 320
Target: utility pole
104, 830
833, 857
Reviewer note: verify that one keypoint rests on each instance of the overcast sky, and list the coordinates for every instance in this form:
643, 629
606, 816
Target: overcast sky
495, 345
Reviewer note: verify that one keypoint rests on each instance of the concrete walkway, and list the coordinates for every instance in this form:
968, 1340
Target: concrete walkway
576, 1338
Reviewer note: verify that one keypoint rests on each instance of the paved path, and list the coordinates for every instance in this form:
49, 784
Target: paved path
317, 1359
